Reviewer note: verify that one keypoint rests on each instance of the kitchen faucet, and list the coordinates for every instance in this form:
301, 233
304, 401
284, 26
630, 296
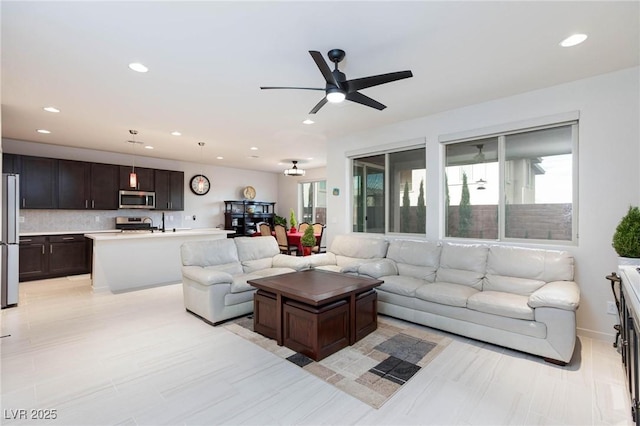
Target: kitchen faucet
162, 221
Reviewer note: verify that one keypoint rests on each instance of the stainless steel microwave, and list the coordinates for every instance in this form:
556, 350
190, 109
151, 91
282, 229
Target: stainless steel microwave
137, 200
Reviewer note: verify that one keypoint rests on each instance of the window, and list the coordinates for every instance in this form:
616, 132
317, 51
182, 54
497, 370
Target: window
313, 198
402, 207
517, 185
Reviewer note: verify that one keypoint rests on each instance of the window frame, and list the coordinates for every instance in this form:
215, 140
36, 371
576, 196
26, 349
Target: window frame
386, 151
300, 207
502, 135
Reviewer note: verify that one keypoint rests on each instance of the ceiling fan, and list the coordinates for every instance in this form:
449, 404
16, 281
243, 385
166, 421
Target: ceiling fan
338, 88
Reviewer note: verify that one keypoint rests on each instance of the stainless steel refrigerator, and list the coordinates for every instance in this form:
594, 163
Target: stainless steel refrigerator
10, 239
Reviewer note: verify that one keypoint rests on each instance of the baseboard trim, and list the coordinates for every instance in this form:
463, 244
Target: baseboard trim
596, 335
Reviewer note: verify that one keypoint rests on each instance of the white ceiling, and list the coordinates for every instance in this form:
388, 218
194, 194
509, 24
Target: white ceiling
208, 59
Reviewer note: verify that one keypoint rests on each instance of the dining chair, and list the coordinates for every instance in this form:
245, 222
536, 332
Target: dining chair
302, 226
283, 241
318, 228
264, 228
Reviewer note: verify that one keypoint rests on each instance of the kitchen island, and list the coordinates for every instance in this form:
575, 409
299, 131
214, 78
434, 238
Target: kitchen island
125, 261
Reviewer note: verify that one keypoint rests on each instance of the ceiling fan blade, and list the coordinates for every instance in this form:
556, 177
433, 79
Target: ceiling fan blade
318, 106
299, 88
365, 100
362, 83
324, 68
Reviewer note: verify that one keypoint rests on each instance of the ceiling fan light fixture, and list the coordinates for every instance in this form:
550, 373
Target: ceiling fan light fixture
335, 95
294, 171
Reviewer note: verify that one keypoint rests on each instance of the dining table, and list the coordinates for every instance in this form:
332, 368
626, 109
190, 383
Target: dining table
294, 238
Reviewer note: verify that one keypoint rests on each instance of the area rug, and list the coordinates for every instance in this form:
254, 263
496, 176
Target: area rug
373, 369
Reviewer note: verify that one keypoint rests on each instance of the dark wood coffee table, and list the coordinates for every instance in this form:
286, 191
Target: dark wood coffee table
314, 312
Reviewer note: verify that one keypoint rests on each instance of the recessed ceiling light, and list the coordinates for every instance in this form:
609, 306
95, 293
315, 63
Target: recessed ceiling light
176, 133
46, 132
573, 40
137, 66
308, 121
148, 147
254, 148
309, 158
220, 158
51, 109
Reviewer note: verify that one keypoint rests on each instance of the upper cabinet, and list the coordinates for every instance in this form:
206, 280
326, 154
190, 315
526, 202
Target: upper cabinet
145, 177
10, 163
104, 186
38, 183
73, 184
49, 183
87, 185
169, 187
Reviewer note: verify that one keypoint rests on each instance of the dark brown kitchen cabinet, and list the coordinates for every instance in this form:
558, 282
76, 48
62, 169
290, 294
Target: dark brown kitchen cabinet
67, 255
83, 185
146, 180
74, 190
10, 163
104, 186
33, 263
38, 183
169, 187
54, 256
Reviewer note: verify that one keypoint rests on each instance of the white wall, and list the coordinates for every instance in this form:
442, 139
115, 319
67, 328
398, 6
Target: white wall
226, 184
609, 176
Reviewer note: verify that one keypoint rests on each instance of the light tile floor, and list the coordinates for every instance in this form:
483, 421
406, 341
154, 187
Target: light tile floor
139, 359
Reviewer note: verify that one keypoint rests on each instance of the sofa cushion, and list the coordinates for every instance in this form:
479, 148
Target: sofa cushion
536, 264
351, 246
256, 253
403, 285
521, 286
378, 268
252, 248
503, 304
463, 264
446, 293
229, 268
418, 259
209, 253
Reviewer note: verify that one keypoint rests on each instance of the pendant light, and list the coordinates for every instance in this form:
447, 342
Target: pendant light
133, 177
294, 171
201, 180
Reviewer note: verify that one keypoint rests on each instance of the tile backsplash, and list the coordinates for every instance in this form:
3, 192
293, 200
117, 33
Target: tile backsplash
93, 220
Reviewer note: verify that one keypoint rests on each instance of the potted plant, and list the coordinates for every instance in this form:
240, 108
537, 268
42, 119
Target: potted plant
292, 220
626, 239
279, 220
308, 240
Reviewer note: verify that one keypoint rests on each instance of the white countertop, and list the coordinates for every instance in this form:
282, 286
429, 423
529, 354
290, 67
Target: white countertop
117, 235
34, 234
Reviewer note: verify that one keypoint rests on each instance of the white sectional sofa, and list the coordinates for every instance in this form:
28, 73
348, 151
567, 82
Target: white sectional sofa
520, 298
215, 274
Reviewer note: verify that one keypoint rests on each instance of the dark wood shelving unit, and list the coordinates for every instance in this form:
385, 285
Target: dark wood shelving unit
243, 216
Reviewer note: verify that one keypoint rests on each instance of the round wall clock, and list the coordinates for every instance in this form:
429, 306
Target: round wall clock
249, 192
200, 184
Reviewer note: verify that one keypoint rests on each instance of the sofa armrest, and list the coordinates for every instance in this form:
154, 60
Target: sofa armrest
378, 268
556, 294
206, 276
294, 262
